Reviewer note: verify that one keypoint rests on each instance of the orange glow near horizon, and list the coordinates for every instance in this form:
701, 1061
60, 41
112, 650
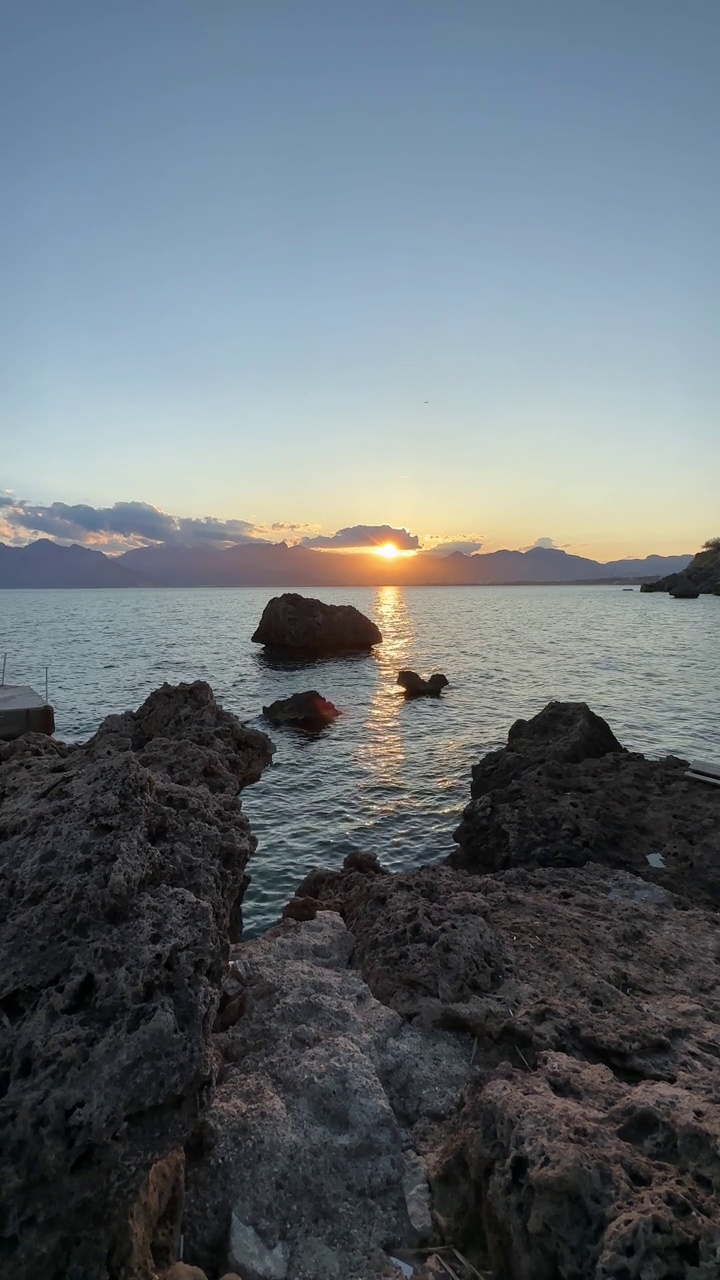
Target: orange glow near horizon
389, 551
386, 550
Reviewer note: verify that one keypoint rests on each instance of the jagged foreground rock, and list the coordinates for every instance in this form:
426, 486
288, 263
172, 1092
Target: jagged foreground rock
292, 623
588, 1143
315, 1141
121, 877
563, 792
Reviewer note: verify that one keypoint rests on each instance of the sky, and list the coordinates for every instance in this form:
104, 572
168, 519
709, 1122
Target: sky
447, 267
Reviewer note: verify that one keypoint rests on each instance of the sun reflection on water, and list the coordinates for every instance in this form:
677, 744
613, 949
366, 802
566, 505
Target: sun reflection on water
393, 618
381, 751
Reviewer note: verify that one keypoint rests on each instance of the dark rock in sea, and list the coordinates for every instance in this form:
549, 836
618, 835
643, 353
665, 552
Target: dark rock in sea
121, 877
307, 710
703, 573
563, 792
587, 1143
684, 589
416, 687
298, 624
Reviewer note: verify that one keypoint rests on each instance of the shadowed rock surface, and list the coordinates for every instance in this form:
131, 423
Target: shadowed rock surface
587, 1145
563, 792
309, 711
317, 1137
121, 877
298, 624
416, 687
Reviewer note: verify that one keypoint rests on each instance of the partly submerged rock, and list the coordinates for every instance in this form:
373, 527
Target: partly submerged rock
122, 869
324, 1119
299, 624
308, 710
684, 589
563, 792
416, 687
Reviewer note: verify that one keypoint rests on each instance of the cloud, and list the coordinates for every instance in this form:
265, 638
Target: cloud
365, 535
292, 526
211, 530
131, 523
127, 525
446, 544
547, 544
467, 547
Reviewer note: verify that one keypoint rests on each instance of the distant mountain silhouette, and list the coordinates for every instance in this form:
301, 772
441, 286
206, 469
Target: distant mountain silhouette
47, 564
261, 564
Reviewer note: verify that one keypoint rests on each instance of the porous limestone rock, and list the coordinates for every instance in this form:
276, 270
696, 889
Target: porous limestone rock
321, 1125
571, 1172
295, 623
122, 867
152, 1240
563, 792
587, 1147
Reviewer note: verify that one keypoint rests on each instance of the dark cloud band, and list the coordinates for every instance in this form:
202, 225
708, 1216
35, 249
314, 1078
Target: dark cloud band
135, 523
366, 535
127, 519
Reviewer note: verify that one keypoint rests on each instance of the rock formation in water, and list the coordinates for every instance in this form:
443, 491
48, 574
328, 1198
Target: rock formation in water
416, 687
122, 869
293, 623
563, 792
684, 589
702, 575
309, 711
587, 1141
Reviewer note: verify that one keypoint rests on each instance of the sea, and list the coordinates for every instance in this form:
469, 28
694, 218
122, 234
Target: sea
389, 776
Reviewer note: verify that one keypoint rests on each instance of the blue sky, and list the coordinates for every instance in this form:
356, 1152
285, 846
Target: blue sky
449, 266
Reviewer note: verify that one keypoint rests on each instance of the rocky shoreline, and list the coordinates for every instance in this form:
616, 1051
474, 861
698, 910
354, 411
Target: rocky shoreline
514, 1056
701, 577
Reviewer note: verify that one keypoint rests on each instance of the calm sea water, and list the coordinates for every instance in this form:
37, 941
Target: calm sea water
388, 776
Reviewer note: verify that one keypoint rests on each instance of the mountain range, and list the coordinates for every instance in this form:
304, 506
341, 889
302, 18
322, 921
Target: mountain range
49, 564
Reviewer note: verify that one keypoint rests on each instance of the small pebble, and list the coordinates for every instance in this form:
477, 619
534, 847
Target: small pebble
181, 1271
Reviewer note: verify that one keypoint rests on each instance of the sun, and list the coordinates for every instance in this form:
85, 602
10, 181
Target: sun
388, 551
